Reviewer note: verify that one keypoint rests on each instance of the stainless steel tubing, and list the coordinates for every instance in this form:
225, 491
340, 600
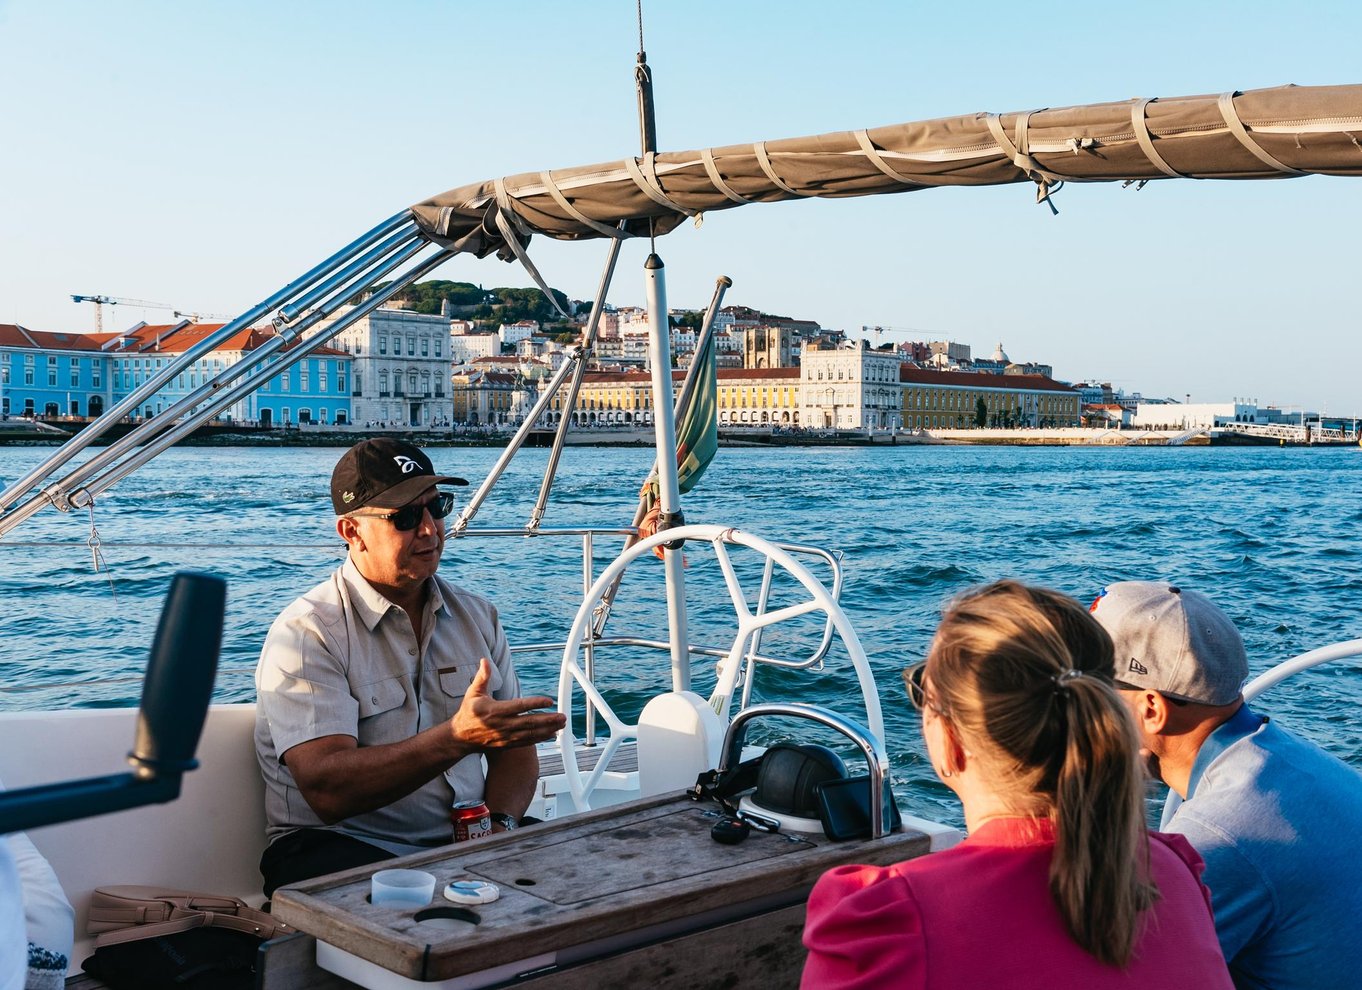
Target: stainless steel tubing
579, 373
722, 285
116, 412
877, 760
588, 644
290, 312
170, 437
504, 460
167, 421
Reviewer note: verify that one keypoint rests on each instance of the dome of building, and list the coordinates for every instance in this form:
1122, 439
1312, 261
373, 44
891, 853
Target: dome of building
999, 354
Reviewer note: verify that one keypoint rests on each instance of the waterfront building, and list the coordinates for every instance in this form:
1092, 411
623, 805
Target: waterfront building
950, 400
52, 374
1194, 415
58, 375
754, 397
401, 367
849, 388
488, 396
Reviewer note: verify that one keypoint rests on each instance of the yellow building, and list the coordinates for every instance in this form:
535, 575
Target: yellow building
486, 398
772, 397
950, 400
747, 397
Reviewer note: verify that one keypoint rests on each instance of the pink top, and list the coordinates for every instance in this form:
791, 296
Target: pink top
980, 915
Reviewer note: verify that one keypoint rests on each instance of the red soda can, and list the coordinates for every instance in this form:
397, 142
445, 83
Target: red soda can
471, 820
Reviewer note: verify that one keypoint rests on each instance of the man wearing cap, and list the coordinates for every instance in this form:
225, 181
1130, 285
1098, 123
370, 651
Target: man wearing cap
1274, 816
381, 691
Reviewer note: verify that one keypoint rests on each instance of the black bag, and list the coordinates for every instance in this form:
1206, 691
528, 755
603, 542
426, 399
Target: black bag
197, 959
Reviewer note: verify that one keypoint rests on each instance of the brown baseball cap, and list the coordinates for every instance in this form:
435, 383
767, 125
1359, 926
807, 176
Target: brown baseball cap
383, 473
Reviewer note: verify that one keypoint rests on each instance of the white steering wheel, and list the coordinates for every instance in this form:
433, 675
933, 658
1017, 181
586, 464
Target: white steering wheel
750, 624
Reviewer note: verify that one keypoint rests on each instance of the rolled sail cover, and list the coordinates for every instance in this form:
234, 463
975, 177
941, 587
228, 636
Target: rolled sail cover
1260, 134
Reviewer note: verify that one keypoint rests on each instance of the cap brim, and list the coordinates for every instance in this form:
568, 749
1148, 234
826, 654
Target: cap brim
404, 491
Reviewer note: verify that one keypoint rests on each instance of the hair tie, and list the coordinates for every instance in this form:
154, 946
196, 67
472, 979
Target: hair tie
1062, 680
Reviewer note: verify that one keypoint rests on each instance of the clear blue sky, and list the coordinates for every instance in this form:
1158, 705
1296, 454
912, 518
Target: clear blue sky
203, 154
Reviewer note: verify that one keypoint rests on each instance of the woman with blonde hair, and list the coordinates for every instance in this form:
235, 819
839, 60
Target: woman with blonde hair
1059, 883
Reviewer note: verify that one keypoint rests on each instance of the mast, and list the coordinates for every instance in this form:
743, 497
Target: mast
664, 421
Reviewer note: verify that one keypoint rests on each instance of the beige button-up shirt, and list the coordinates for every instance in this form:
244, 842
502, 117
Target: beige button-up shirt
343, 660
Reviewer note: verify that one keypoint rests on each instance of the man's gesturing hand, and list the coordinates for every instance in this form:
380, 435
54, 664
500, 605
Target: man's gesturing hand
483, 722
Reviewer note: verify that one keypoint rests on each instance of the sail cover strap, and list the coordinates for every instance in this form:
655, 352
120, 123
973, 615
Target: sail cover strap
1146, 139
1045, 179
712, 170
876, 159
1238, 129
506, 222
601, 228
764, 160
645, 177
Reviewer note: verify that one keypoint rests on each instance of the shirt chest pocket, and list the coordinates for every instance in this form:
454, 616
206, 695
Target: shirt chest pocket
458, 677
380, 697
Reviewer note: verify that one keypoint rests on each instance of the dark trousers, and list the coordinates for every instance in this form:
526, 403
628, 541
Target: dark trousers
314, 852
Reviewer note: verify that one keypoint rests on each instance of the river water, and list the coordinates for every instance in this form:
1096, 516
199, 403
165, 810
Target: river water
1271, 534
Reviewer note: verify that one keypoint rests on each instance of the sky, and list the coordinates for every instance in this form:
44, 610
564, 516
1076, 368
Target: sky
204, 154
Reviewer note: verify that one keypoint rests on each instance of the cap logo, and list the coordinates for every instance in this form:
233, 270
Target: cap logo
406, 464
1136, 667
1100, 595
347, 497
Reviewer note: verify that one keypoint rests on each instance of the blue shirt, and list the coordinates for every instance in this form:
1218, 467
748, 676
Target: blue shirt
1277, 820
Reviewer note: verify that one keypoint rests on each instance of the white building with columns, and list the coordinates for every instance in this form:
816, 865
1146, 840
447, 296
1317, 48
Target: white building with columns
849, 388
400, 367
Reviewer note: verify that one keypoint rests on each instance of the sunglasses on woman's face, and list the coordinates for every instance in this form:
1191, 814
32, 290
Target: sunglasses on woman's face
914, 679
409, 517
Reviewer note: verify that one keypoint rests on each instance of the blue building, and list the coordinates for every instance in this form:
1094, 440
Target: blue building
57, 375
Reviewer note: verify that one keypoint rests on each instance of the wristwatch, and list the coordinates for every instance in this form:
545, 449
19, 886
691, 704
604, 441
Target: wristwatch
506, 821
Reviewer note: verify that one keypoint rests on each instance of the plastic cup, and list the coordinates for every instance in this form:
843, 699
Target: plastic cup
401, 888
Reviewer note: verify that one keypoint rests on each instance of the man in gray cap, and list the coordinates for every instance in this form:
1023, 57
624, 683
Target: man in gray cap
1274, 816
381, 691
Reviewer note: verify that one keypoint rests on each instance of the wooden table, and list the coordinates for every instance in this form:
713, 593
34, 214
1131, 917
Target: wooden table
593, 896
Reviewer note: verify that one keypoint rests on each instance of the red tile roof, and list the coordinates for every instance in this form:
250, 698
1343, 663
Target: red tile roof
174, 338
920, 376
679, 374
14, 335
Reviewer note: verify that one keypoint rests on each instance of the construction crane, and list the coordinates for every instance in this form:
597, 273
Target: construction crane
102, 301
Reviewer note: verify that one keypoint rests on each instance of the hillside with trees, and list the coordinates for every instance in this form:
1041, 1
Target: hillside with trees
503, 304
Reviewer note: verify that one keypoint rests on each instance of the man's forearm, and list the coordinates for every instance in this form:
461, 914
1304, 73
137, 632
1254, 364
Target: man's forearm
340, 779
512, 776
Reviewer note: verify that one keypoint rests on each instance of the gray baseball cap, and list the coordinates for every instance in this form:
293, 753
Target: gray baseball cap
1172, 641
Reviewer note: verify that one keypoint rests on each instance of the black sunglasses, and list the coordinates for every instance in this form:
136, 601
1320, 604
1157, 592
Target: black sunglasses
409, 517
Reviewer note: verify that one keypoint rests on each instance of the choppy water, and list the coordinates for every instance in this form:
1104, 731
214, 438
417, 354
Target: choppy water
1270, 534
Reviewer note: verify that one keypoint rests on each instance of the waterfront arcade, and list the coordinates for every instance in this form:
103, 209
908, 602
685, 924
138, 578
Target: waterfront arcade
943, 400
844, 388
760, 397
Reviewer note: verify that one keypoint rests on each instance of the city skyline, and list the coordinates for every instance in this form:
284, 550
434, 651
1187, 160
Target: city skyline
202, 157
